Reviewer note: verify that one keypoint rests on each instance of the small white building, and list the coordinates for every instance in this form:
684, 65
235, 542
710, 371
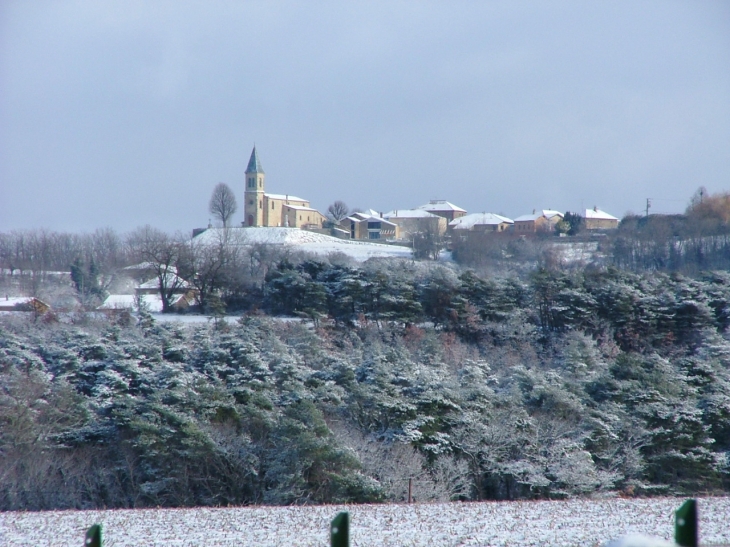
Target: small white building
595, 219
539, 221
482, 222
443, 208
412, 221
369, 225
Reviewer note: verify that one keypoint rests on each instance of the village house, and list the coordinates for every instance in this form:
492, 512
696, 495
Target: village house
271, 210
539, 221
147, 295
595, 219
482, 222
413, 221
444, 209
369, 225
23, 303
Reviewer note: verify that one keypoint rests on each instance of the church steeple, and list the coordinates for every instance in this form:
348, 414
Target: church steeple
254, 194
254, 164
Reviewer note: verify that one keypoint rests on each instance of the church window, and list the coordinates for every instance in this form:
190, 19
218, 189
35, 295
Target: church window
261, 204
272, 205
250, 202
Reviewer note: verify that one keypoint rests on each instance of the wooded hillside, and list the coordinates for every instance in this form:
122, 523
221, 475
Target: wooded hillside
553, 386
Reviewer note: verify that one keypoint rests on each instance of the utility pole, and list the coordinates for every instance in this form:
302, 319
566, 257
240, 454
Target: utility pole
648, 204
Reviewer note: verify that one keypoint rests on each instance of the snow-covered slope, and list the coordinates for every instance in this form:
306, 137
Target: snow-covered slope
303, 240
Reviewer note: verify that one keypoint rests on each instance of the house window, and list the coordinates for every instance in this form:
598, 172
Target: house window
373, 225
373, 235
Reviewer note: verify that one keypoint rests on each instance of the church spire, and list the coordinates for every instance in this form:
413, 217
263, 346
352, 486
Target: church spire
254, 165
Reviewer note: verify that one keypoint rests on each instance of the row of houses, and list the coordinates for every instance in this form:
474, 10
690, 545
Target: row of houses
262, 209
439, 216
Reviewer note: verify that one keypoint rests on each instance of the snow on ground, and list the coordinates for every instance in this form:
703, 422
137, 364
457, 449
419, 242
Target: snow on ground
581, 523
303, 240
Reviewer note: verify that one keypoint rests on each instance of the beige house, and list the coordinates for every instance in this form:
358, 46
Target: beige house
444, 209
538, 221
482, 222
23, 303
595, 219
262, 209
412, 221
369, 225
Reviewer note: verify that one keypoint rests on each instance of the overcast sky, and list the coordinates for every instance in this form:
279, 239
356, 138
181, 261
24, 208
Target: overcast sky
128, 113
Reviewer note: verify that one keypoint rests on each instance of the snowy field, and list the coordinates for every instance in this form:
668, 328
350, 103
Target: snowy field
571, 523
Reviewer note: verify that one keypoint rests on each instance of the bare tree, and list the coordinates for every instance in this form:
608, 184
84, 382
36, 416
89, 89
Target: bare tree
222, 203
163, 255
338, 210
210, 262
428, 243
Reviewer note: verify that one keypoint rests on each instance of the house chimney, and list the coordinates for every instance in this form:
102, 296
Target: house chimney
595, 208
533, 211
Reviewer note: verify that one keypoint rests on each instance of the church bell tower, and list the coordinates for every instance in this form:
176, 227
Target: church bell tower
254, 194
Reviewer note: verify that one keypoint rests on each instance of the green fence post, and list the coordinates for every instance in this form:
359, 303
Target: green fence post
93, 536
685, 524
340, 530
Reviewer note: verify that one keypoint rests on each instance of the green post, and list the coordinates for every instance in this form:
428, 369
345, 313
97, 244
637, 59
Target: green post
685, 524
340, 530
93, 536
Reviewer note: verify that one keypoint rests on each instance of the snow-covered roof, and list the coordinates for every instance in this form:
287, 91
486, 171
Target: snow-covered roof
15, 300
300, 208
153, 302
547, 213
441, 205
478, 219
369, 217
284, 197
170, 280
409, 213
141, 266
597, 214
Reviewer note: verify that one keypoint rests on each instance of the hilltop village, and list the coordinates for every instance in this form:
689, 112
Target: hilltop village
299, 368
264, 209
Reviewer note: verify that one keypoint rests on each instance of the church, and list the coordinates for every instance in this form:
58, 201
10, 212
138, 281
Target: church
271, 210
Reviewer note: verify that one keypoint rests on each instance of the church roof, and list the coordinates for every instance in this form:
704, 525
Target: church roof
254, 164
284, 197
